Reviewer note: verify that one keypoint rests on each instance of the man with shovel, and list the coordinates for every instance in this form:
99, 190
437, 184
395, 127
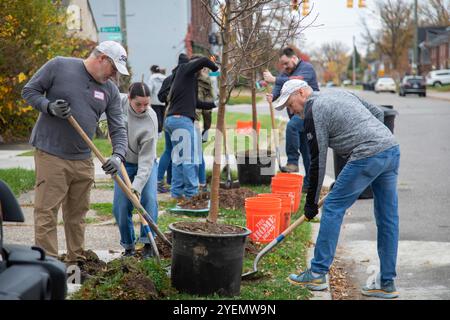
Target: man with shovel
63, 161
354, 129
293, 68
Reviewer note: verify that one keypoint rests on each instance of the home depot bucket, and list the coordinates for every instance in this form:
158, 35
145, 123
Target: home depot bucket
286, 207
263, 218
289, 183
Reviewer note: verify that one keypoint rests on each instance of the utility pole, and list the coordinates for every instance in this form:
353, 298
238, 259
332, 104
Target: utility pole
123, 23
354, 62
415, 65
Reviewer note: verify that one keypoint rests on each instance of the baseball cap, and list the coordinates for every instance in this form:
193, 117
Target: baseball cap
117, 53
289, 87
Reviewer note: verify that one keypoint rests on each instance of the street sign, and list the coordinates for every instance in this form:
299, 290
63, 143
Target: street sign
115, 37
114, 29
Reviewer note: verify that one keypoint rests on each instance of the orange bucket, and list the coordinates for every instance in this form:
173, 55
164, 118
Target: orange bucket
263, 218
286, 207
246, 127
286, 182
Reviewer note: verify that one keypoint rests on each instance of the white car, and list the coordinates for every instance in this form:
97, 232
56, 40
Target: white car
385, 84
438, 77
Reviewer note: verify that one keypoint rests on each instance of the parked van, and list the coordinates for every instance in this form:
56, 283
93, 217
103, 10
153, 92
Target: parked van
438, 78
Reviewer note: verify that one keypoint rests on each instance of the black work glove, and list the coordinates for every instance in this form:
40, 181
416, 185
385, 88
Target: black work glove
112, 165
311, 211
59, 108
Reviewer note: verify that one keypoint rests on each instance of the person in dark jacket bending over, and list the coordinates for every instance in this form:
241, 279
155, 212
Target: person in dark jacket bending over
354, 129
179, 124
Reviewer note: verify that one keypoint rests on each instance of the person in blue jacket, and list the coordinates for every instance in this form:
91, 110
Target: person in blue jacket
294, 68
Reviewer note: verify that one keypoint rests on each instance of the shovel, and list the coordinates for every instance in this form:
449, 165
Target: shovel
130, 195
276, 241
229, 183
275, 138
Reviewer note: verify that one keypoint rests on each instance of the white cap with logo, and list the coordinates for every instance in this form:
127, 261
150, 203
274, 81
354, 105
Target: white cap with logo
117, 53
289, 87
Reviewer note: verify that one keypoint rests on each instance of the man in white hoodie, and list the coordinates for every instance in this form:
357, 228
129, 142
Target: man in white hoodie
154, 83
141, 166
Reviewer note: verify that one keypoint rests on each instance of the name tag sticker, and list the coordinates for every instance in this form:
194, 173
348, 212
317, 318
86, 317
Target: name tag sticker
99, 95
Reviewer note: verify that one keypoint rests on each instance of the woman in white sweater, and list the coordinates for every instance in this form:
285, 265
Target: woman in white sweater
141, 166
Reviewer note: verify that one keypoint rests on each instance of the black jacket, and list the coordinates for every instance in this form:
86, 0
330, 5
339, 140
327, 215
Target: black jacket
185, 88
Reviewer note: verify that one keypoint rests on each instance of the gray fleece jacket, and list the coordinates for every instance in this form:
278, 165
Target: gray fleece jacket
142, 138
350, 126
154, 83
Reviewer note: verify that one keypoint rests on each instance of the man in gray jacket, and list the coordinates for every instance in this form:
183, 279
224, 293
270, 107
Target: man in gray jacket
354, 129
63, 161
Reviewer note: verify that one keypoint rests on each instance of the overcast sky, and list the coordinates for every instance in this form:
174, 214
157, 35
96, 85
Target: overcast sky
336, 22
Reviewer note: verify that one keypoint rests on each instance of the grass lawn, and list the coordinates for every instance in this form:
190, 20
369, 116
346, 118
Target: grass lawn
444, 88
242, 99
19, 180
230, 119
286, 258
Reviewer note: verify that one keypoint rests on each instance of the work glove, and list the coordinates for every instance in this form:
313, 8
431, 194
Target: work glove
59, 108
112, 165
310, 211
136, 193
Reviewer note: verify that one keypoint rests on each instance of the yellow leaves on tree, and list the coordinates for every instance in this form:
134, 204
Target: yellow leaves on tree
31, 33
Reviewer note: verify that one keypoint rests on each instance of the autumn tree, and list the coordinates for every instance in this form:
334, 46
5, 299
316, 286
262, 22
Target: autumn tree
434, 13
248, 30
396, 34
31, 33
333, 56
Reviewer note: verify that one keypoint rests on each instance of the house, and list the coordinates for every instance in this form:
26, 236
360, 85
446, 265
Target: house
433, 48
81, 22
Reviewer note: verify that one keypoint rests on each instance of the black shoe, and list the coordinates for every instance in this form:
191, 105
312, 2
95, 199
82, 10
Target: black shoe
147, 251
129, 253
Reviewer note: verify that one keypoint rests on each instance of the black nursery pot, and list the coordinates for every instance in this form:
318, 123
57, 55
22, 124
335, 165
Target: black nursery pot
256, 169
205, 264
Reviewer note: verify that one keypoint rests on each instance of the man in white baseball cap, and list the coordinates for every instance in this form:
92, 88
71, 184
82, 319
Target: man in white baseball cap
354, 129
293, 90
117, 53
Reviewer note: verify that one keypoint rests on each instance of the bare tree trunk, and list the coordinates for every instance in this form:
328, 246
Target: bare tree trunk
254, 113
215, 183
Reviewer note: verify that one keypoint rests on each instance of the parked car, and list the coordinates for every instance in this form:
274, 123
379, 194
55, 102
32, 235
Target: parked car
347, 82
385, 84
413, 84
369, 86
330, 84
438, 78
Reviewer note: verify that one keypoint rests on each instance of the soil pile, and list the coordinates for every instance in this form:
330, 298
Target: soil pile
199, 201
208, 228
89, 267
127, 279
234, 199
165, 251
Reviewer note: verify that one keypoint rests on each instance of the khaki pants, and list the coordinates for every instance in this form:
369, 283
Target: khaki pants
66, 182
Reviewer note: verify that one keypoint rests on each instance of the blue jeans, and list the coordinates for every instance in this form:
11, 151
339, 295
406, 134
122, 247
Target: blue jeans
165, 163
295, 141
381, 172
123, 208
185, 156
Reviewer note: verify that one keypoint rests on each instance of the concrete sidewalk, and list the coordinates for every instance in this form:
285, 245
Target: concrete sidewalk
438, 95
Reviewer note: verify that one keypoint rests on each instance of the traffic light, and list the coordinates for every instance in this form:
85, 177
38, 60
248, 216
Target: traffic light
294, 5
305, 8
361, 3
349, 3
